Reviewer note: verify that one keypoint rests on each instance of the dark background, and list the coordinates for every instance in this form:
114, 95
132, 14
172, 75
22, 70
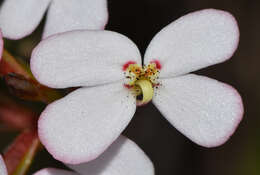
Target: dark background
170, 151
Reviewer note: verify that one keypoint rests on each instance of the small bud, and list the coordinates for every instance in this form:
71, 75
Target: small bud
21, 87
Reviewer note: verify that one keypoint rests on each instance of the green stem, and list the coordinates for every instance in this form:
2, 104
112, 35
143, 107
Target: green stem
26, 162
20, 154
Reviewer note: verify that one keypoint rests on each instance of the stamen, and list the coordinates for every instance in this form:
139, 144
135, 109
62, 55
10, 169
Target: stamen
146, 88
141, 80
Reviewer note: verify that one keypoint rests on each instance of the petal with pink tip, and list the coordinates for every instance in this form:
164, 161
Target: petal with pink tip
19, 18
54, 171
82, 58
123, 157
3, 170
203, 109
194, 41
68, 15
80, 126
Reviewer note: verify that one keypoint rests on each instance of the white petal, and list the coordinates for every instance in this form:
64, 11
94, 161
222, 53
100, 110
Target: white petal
205, 110
19, 18
1, 45
194, 41
54, 171
3, 170
80, 126
123, 157
82, 58
67, 15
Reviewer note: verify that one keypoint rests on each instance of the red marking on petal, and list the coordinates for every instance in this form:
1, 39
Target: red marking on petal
156, 85
158, 64
128, 86
125, 66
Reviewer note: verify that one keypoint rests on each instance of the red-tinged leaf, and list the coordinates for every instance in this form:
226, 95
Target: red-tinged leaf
16, 116
19, 155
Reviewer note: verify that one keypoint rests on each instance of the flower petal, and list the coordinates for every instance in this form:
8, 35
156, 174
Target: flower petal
79, 127
3, 169
1, 45
82, 58
203, 109
194, 41
67, 15
54, 171
123, 157
19, 18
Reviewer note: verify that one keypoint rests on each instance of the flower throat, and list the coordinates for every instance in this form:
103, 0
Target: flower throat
142, 80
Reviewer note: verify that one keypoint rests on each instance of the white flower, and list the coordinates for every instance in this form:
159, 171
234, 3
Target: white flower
80, 126
123, 157
19, 18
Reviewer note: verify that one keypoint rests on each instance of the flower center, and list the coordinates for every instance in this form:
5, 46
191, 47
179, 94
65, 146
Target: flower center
142, 80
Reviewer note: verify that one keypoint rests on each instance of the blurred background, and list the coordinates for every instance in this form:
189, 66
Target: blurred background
170, 151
